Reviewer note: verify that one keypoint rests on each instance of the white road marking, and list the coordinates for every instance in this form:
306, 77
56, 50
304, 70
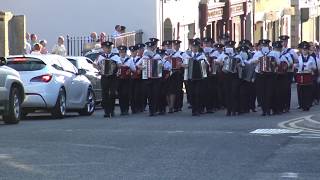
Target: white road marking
289, 175
98, 146
292, 124
275, 131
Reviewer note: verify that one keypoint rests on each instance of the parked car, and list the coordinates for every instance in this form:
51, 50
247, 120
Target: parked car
11, 93
93, 55
52, 83
92, 73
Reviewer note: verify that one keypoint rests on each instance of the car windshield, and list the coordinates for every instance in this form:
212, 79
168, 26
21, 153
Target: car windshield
25, 64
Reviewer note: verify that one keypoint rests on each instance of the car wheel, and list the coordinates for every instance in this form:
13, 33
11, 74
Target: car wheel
90, 105
60, 108
14, 112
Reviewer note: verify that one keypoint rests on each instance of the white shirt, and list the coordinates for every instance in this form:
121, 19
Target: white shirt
309, 65
127, 61
27, 48
35, 53
115, 34
290, 52
59, 50
166, 64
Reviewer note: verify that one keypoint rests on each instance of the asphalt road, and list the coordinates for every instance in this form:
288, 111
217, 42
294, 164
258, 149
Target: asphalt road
175, 146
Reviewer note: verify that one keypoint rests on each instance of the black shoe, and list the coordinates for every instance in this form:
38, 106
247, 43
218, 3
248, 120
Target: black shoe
263, 114
162, 113
210, 111
228, 113
151, 114
171, 111
107, 116
176, 110
253, 110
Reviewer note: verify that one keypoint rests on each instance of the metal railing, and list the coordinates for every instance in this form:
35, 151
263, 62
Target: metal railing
79, 45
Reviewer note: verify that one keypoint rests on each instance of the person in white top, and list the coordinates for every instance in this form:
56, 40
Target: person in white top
124, 79
305, 66
116, 32
137, 95
59, 48
36, 49
27, 49
108, 80
196, 73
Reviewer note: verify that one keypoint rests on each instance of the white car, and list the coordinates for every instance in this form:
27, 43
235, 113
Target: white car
52, 83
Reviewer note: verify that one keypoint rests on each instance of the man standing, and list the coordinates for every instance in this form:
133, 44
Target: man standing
108, 80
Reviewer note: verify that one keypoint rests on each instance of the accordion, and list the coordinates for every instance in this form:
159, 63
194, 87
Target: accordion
152, 69
197, 69
246, 72
283, 68
124, 72
109, 67
213, 65
137, 74
176, 63
267, 64
230, 64
304, 78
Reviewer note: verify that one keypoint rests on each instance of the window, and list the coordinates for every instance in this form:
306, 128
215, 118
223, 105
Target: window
67, 66
25, 64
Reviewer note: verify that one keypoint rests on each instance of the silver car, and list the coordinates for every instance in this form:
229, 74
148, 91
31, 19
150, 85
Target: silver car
11, 94
52, 83
92, 73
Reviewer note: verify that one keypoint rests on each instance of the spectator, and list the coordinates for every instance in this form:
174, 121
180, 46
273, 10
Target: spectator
36, 49
94, 37
59, 48
34, 39
44, 49
122, 29
27, 49
103, 37
116, 32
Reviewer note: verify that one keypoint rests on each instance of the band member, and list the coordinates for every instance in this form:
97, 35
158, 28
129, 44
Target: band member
292, 56
108, 80
137, 103
175, 92
164, 82
281, 78
230, 61
124, 79
264, 80
141, 50
153, 81
219, 102
210, 82
196, 72
246, 76
306, 66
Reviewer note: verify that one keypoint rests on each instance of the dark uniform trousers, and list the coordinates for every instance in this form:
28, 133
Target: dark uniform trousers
124, 89
252, 95
265, 91
288, 94
137, 97
232, 94
281, 90
180, 93
244, 98
211, 93
196, 89
221, 101
305, 96
153, 90
109, 87
163, 92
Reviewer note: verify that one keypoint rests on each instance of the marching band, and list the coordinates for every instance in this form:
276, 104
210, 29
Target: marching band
215, 76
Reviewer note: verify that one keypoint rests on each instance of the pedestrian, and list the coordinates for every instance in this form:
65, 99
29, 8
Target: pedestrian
36, 49
44, 49
116, 32
27, 49
59, 48
33, 40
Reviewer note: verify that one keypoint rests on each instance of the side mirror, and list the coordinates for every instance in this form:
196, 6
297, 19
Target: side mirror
82, 72
3, 61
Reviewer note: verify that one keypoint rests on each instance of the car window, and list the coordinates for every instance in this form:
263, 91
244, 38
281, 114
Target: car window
67, 66
87, 64
93, 56
73, 61
25, 64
